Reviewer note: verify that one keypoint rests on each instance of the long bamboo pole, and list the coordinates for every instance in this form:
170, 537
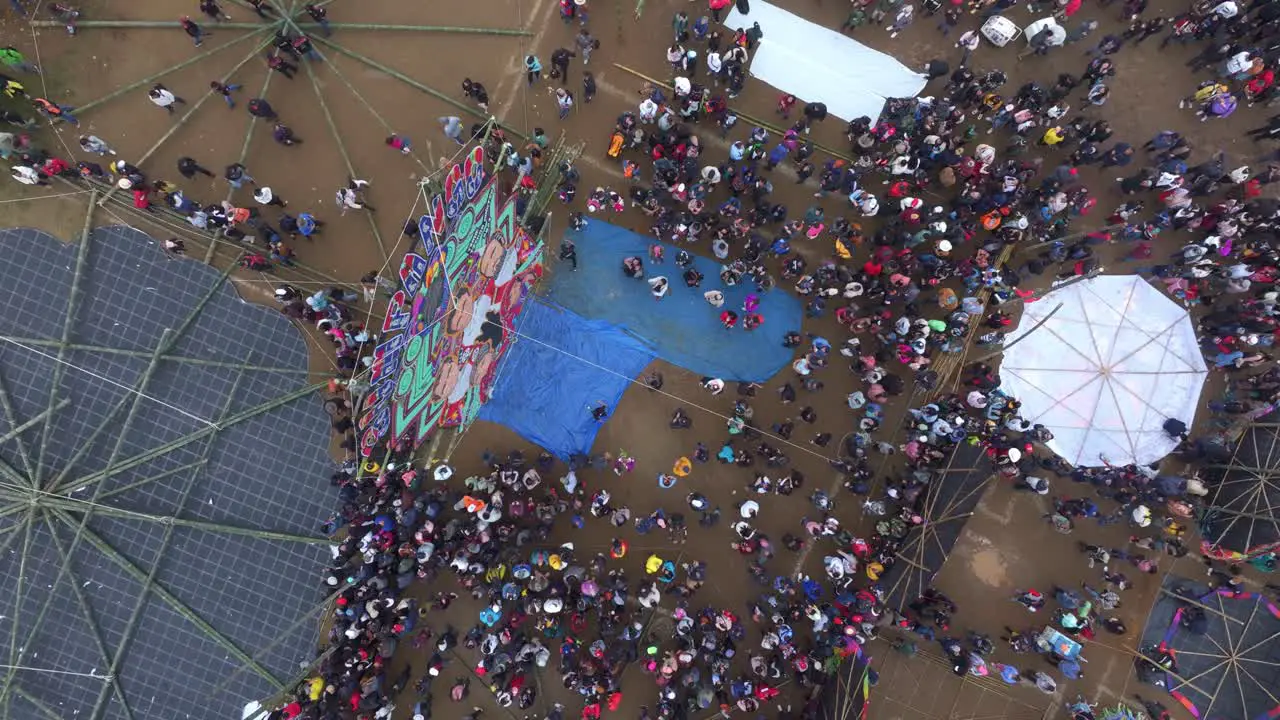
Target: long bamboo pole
40, 342
35, 419
165, 345
86, 613
342, 150
173, 602
151, 24
244, 155
190, 113
11, 417
76, 506
131, 625
148, 480
149, 455
474, 112
150, 79
68, 321
19, 591
82, 526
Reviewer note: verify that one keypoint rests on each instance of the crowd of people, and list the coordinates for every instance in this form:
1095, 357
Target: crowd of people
951, 211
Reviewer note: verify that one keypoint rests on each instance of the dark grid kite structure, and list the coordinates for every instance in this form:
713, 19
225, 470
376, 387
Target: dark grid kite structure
949, 502
1245, 492
1231, 669
163, 472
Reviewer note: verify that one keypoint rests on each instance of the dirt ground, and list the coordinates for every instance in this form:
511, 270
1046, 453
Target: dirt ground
1004, 547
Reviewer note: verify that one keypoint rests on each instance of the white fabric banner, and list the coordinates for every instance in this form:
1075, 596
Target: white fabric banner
1107, 370
820, 65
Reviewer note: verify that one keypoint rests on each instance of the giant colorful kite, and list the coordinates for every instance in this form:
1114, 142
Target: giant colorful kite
447, 328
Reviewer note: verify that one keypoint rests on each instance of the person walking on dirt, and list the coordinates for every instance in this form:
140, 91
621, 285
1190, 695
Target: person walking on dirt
213, 11
266, 196
351, 196
321, 16
560, 64
564, 102
10, 57
260, 108
283, 134
95, 145
280, 65
189, 168
265, 11
237, 175
476, 92
164, 98
225, 91
194, 31
532, 68
585, 44
452, 127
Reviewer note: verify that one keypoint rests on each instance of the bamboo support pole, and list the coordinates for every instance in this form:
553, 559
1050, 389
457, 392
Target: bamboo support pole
472, 111
19, 599
151, 79
190, 113
35, 420
14, 476
342, 150
68, 322
163, 346
12, 529
39, 342
86, 612
288, 633
6, 403
173, 602
311, 26
37, 703
148, 480
176, 223
309, 670
455, 30
64, 568
753, 120
77, 506
1001, 350
244, 155
333, 67
131, 625
149, 455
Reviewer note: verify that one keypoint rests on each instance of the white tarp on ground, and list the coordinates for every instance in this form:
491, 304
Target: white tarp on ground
820, 65
1106, 371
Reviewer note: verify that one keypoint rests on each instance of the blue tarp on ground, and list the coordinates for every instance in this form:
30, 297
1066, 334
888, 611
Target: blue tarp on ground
683, 328
545, 395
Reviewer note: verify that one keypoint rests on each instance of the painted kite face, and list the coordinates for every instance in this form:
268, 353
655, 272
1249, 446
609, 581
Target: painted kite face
491, 258
446, 381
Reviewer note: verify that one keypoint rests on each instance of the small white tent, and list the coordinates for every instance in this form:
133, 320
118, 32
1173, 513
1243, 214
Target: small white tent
1106, 370
817, 64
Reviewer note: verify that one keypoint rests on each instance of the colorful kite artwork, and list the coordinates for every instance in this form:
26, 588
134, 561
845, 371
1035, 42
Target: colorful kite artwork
446, 331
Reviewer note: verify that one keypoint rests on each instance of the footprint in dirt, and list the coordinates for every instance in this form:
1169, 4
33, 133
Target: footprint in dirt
989, 566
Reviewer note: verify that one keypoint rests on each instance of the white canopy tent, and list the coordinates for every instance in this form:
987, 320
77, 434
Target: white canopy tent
1106, 370
817, 64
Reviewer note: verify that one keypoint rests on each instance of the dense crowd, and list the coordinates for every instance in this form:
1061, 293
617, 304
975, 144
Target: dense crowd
951, 207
